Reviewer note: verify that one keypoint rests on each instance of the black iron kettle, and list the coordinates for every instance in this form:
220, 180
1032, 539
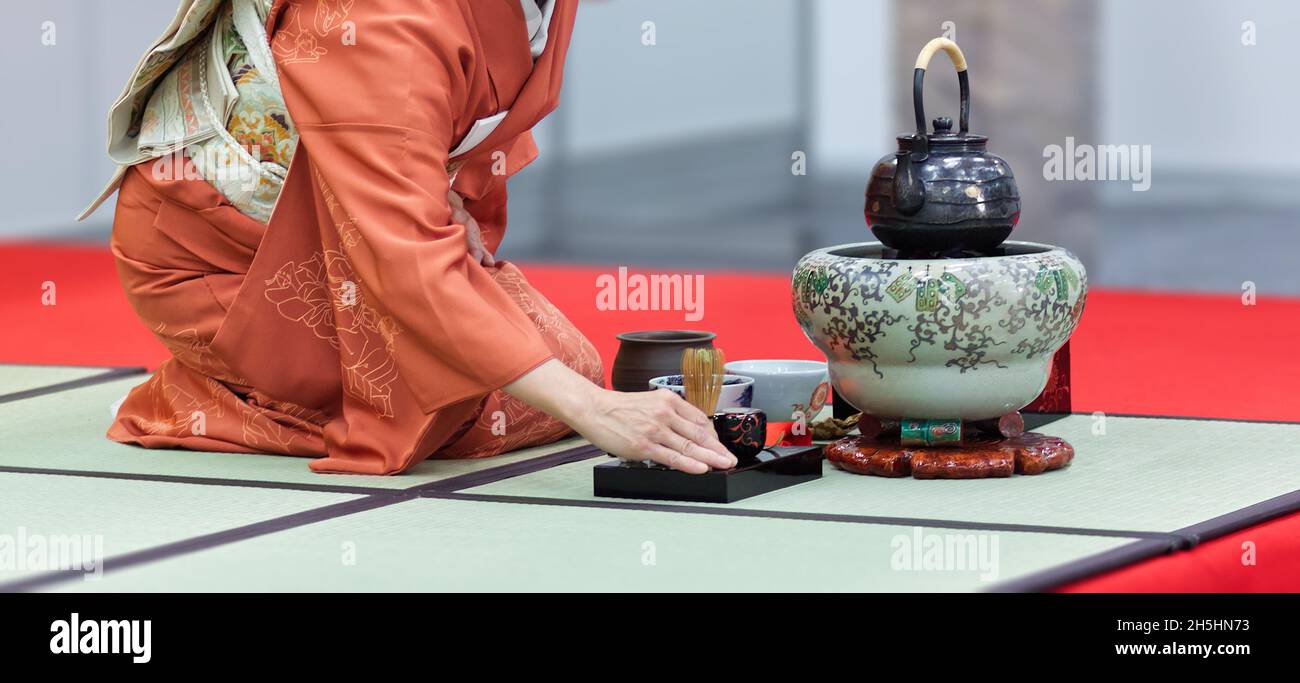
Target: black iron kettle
942, 192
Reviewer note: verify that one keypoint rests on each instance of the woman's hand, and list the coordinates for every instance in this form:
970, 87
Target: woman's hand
654, 425
473, 236
648, 425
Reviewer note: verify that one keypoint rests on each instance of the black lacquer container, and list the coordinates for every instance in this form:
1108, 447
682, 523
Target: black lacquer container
741, 430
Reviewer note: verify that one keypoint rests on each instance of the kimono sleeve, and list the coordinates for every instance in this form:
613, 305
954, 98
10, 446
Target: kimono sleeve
377, 115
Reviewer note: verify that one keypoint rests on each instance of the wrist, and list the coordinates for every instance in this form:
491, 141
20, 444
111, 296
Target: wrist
558, 391
580, 402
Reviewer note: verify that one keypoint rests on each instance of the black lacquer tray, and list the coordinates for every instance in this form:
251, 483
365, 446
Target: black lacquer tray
773, 468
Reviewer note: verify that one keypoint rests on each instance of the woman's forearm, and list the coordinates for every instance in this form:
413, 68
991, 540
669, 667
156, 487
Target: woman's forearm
653, 425
557, 390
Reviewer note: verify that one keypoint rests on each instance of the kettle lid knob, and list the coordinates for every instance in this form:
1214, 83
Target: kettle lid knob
942, 125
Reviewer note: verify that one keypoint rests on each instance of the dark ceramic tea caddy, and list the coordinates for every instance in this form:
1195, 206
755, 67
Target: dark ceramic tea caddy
643, 356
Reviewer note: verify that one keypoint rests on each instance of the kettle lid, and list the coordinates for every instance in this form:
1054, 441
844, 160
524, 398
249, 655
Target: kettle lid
942, 137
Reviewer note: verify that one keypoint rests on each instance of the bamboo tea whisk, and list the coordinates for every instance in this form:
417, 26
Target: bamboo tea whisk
702, 376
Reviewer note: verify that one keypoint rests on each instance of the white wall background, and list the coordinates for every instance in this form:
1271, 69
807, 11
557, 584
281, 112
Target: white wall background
851, 117
1172, 74
717, 66
1175, 75
57, 99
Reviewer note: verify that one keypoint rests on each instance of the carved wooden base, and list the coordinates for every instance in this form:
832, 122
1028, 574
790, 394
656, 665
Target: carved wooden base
978, 456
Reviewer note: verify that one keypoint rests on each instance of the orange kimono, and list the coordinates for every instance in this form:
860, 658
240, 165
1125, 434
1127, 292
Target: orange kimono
355, 325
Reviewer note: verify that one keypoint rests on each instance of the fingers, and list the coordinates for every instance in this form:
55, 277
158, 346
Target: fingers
666, 447
460, 215
662, 427
690, 432
475, 251
704, 441
473, 235
463, 217
455, 200
686, 410
676, 460
476, 248
707, 437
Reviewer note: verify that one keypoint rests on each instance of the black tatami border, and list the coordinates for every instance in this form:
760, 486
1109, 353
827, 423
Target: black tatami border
453, 488
108, 375
1189, 537
450, 484
216, 539
482, 477
370, 498
611, 504
1085, 567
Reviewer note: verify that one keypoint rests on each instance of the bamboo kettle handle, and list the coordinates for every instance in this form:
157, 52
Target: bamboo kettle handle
954, 53
918, 81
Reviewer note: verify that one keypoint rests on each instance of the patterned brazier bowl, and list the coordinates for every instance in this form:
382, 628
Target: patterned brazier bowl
968, 338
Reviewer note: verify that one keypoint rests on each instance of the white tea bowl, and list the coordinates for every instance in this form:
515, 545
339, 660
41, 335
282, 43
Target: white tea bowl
784, 387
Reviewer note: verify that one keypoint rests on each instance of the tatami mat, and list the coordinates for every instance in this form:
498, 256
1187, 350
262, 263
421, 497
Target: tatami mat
65, 431
1134, 476
40, 515
20, 378
1138, 474
452, 545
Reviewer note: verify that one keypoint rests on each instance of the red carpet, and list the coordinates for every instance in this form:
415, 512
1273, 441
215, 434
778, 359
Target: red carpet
1148, 353
1151, 353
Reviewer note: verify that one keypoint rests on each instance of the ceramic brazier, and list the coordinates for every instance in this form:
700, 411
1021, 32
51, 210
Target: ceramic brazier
947, 338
